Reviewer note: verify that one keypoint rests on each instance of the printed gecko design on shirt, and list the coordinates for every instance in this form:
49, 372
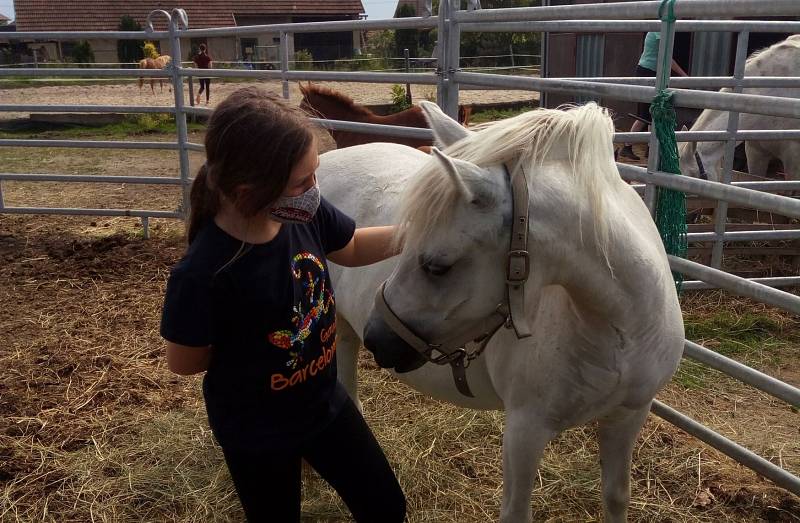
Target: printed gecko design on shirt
315, 302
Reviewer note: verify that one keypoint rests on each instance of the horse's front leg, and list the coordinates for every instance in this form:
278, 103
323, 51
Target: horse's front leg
617, 434
347, 345
524, 441
757, 159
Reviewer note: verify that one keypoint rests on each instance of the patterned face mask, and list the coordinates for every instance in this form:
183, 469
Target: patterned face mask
296, 209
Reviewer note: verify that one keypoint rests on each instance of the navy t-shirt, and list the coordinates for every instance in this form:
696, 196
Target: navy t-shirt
268, 312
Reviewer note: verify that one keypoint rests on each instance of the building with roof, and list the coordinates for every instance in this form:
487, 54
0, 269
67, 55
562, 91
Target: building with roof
105, 15
4, 20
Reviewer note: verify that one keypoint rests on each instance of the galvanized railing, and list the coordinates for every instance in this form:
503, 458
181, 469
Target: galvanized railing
449, 79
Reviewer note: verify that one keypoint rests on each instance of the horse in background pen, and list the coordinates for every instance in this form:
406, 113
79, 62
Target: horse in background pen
155, 63
324, 102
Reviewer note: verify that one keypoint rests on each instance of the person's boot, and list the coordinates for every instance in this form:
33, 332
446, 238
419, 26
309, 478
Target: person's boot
627, 152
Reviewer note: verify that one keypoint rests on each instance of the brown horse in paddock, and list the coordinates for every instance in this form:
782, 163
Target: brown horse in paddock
155, 63
324, 102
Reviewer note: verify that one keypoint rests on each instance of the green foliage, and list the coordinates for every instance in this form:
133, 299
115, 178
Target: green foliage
488, 44
491, 115
129, 51
380, 43
82, 53
149, 50
365, 62
303, 60
154, 122
399, 100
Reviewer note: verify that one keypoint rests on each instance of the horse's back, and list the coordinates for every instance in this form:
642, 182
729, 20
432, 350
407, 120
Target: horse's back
364, 181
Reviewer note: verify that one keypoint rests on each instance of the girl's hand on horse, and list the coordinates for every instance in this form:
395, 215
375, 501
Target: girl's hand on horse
369, 245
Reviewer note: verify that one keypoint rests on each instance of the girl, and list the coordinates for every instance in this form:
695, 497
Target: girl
648, 63
251, 303
203, 61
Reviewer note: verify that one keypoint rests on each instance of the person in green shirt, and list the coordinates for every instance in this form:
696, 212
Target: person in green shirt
648, 63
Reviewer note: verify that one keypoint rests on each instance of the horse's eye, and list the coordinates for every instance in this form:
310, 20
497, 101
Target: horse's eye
429, 266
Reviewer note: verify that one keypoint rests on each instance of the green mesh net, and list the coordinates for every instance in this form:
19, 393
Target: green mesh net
670, 204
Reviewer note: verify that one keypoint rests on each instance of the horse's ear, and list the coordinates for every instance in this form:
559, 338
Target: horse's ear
446, 130
451, 168
683, 147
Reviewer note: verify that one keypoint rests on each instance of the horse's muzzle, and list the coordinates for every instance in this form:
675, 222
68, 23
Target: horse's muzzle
389, 349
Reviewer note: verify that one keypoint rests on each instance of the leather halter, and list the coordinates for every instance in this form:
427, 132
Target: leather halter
510, 314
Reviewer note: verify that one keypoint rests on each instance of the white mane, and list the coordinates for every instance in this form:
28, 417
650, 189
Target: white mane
581, 135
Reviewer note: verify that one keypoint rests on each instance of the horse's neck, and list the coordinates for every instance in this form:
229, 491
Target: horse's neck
334, 110
567, 256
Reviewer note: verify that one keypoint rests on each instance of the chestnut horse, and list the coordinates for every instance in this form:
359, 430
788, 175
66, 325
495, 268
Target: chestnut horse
324, 102
154, 63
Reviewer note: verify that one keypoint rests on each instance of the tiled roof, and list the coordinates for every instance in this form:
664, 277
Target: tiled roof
104, 15
4, 18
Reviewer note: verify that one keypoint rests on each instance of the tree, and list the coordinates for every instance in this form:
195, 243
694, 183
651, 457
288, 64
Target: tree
129, 51
380, 43
406, 38
82, 52
483, 44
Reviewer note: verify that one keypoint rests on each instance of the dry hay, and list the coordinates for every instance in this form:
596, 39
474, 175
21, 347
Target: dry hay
94, 428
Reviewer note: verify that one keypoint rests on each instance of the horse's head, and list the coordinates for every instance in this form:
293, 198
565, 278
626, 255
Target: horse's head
309, 104
451, 274
323, 102
691, 161
458, 268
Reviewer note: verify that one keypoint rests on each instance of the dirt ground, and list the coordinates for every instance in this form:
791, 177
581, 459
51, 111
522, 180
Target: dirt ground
93, 427
130, 94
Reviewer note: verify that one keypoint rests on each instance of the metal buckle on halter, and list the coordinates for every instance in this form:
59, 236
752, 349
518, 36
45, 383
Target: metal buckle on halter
445, 358
511, 279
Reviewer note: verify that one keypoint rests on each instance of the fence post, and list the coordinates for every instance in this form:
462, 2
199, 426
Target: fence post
191, 97
180, 114
721, 211
407, 69
440, 50
665, 47
453, 52
284, 50
511, 53
35, 59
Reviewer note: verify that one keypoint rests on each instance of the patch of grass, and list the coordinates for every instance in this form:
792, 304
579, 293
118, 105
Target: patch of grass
747, 335
20, 82
491, 115
693, 375
132, 125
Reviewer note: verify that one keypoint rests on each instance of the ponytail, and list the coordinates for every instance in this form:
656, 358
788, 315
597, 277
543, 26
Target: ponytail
204, 202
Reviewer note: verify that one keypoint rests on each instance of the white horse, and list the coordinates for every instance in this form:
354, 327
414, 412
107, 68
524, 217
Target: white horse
600, 299
781, 59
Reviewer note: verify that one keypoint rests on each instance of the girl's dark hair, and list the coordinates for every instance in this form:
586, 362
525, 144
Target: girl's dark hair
254, 139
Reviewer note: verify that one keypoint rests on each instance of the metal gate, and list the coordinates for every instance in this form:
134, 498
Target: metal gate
451, 22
